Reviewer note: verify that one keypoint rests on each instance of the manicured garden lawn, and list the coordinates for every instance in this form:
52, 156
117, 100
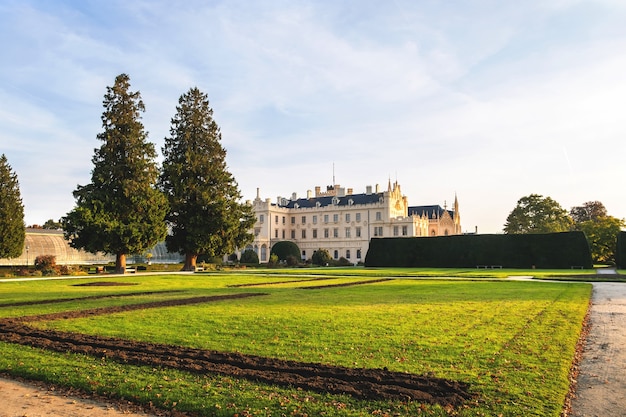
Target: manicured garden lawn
513, 342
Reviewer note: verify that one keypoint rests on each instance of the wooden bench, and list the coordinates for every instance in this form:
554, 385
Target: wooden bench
131, 269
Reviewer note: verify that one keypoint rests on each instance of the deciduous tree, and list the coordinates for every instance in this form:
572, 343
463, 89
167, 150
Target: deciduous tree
602, 237
537, 214
121, 211
12, 232
206, 215
591, 210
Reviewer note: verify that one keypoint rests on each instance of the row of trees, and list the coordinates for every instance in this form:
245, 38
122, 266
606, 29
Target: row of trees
538, 214
130, 205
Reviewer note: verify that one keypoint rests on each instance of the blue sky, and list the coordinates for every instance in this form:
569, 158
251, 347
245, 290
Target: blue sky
488, 100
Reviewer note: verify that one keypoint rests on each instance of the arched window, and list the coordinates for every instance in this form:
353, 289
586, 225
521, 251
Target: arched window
336, 253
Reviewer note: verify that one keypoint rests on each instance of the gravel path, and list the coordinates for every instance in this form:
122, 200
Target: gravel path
601, 390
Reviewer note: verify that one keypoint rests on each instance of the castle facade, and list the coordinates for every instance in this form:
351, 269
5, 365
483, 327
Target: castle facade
343, 222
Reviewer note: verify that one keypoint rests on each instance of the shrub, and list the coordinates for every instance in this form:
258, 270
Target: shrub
249, 257
46, 264
285, 249
292, 260
344, 262
273, 260
321, 257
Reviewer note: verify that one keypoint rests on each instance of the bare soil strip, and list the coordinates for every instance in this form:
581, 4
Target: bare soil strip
346, 284
357, 382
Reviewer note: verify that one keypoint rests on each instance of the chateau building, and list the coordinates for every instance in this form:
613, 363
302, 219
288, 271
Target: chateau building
343, 222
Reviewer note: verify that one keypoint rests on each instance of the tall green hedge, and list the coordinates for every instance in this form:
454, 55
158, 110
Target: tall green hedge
620, 254
546, 251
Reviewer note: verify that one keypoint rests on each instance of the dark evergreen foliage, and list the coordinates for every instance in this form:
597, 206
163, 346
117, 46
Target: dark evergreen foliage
12, 231
249, 257
552, 250
206, 216
120, 212
284, 249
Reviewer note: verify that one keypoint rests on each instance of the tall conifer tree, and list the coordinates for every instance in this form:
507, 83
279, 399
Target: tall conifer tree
206, 216
121, 211
12, 232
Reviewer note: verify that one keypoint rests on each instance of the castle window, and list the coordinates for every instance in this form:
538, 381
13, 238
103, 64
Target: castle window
293, 219
314, 233
405, 231
347, 253
293, 234
358, 232
314, 219
283, 234
379, 215
335, 201
303, 219
348, 232
261, 218
396, 231
336, 253
378, 231
358, 253
347, 217
326, 235
325, 218
303, 233
335, 218
335, 232
358, 217
276, 233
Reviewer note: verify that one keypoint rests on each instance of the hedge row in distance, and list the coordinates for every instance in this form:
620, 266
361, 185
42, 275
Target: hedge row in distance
546, 251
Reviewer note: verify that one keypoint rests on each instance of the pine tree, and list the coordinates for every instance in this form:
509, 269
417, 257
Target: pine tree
121, 211
206, 216
12, 231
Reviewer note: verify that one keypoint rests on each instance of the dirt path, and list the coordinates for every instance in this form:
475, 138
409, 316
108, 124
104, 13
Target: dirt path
33, 399
601, 389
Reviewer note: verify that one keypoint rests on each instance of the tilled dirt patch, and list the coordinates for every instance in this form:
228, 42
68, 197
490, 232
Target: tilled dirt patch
359, 383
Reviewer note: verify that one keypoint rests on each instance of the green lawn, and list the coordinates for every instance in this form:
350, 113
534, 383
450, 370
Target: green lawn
513, 342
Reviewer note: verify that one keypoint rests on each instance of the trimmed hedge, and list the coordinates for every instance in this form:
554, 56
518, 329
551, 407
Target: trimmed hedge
620, 254
284, 249
545, 251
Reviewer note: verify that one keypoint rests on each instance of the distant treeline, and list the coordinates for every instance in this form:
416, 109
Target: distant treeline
620, 254
546, 251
